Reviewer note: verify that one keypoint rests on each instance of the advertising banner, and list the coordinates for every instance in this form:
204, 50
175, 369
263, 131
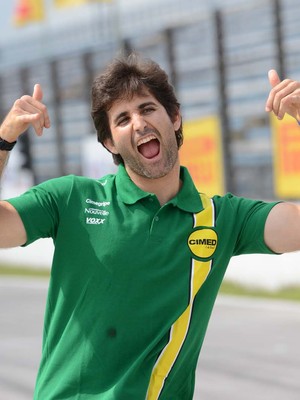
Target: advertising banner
286, 157
202, 154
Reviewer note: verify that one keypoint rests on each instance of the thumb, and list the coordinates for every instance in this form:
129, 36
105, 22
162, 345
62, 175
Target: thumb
37, 92
273, 78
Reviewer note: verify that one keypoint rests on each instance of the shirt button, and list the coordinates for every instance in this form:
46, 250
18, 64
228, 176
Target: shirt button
151, 199
156, 219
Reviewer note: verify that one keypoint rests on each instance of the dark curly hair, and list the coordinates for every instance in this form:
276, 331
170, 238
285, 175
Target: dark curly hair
124, 78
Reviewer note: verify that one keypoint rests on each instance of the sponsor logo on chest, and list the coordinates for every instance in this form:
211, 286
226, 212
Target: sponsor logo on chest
96, 213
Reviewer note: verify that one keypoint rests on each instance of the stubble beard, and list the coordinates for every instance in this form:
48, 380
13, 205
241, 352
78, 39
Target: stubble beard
156, 170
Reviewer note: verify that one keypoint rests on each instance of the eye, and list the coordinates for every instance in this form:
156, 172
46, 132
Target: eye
123, 121
148, 110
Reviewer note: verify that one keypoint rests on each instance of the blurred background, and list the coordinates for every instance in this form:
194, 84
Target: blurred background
217, 54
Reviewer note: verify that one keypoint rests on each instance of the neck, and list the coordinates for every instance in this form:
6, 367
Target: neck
165, 188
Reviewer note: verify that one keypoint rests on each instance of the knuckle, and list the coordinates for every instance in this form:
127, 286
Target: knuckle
17, 103
277, 97
43, 108
287, 81
292, 84
24, 98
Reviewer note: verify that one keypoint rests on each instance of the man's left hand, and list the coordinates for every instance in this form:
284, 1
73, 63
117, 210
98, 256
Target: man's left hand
284, 97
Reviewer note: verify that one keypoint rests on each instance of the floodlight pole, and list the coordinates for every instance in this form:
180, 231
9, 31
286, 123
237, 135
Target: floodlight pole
223, 104
279, 38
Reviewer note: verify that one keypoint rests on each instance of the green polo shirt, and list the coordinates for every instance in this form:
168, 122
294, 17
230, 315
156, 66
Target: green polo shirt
132, 283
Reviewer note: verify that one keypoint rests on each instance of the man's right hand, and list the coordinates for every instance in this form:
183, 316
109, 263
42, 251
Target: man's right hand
26, 111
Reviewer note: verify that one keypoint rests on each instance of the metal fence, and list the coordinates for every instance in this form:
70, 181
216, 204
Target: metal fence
217, 61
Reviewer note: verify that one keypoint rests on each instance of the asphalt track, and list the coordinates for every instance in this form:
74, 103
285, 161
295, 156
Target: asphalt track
251, 351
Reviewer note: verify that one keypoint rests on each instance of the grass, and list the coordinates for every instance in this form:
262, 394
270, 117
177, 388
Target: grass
291, 293
12, 270
229, 288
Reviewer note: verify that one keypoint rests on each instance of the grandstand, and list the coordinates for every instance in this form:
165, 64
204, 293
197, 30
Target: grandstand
217, 57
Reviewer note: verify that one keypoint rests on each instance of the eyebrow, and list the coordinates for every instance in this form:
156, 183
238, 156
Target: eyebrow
140, 107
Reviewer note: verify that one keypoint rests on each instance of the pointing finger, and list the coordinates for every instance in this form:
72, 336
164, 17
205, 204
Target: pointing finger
273, 78
37, 92
274, 81
38, 96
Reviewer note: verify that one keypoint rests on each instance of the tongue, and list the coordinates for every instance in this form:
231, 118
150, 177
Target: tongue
150, 149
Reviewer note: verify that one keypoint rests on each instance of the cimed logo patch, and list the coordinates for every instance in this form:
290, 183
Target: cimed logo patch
203, 242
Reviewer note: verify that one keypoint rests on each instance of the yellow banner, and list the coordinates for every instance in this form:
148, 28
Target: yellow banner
286, 157
28, 11
203, 155
71, 3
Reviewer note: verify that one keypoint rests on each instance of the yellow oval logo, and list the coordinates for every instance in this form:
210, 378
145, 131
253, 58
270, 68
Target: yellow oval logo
203, 242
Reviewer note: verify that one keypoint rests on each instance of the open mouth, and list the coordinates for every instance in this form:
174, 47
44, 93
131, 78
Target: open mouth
149, 147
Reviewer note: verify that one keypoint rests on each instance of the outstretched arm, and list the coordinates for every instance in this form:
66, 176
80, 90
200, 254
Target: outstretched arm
282, 229
26, 111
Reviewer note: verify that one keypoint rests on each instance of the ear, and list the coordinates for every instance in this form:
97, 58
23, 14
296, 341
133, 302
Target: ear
109, 145
177, 121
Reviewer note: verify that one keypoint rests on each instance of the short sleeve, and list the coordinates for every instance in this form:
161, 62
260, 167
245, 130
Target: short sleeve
251, 236
41, 206
244, 223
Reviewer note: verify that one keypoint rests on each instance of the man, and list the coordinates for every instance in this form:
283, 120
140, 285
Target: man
140, 255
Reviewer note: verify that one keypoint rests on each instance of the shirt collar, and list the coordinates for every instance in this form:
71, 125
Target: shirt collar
187, 199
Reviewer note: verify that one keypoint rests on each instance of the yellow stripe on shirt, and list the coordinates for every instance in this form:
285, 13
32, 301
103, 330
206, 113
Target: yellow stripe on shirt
179, 330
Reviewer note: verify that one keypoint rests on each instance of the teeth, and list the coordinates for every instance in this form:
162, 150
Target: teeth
146, 140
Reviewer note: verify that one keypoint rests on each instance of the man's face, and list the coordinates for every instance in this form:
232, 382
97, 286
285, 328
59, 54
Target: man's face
144, 135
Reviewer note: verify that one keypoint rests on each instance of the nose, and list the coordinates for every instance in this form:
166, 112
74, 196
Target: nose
138, 123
